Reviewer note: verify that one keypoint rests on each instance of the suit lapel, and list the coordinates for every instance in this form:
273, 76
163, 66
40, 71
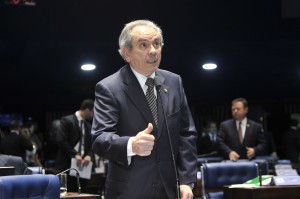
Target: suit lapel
247, 131
236, 132
164, 96
135, 93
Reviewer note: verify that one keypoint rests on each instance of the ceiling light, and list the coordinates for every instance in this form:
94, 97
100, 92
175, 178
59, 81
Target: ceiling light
88, 67
209, 66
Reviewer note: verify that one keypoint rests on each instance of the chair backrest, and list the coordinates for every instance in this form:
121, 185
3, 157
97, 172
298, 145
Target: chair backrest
30, 186
262, 164
218, 174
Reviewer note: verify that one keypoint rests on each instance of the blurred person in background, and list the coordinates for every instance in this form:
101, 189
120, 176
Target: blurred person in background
14, 144
75, 141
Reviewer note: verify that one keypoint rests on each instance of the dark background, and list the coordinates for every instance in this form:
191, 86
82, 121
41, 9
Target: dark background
256, 45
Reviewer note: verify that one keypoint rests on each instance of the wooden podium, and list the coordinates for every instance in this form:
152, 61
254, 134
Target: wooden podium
263, 192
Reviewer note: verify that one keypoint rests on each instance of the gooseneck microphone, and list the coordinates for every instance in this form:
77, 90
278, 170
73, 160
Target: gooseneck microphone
157, 83
77, 177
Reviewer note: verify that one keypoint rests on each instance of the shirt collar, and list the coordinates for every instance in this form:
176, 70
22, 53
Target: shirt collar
141, 78
244, 122
78, 116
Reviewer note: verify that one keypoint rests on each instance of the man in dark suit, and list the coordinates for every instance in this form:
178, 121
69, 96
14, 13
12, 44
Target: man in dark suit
240, 138
207, 142
125, 130
74, 141
15, 161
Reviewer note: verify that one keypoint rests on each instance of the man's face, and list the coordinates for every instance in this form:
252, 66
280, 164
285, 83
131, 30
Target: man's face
213, 127
88, 114
145, 54
238, 111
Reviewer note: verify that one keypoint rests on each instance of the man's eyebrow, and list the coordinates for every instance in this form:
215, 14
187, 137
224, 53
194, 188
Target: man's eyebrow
144, 39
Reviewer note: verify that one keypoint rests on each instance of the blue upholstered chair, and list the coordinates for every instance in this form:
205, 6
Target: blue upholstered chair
218, 174
208, 159
262, 164
29, 187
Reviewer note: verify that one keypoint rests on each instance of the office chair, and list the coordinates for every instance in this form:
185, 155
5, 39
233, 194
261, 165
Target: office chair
30, 187
216, 175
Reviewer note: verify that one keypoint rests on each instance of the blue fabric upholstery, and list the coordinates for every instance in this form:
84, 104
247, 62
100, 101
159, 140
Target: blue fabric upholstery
30, 187
261, 163
216, 175
208, 159
270, 159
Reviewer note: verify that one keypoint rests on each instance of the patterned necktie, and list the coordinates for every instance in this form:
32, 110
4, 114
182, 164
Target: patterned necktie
151, 98
241, 132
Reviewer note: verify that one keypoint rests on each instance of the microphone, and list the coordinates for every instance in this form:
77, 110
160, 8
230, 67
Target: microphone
260, 174
157, 83
77, 176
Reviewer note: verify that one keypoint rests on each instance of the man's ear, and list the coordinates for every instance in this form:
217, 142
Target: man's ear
125, 54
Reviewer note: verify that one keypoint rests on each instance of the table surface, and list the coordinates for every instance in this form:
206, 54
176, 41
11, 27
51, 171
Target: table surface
263, 192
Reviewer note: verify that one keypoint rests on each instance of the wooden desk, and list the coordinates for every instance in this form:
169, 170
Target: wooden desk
74, 195
264, 192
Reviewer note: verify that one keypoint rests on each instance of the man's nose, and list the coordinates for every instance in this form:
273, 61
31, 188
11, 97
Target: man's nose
152, 49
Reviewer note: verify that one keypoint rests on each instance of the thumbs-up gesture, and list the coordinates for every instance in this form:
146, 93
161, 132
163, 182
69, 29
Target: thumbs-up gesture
143, 142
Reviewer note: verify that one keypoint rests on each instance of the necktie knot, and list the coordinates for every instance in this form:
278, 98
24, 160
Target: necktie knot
150, 83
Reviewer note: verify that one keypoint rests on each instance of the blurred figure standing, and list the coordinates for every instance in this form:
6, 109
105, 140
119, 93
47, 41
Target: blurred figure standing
240, 137
207, 143
74, 141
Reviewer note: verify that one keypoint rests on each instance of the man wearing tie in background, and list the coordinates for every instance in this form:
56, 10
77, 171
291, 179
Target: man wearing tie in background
74, 141
132, 134
240, 138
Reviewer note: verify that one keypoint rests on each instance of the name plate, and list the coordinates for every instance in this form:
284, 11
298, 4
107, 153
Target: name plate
286, 180
286, 172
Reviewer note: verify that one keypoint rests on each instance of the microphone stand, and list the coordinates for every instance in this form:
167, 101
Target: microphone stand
158, 85
77, 177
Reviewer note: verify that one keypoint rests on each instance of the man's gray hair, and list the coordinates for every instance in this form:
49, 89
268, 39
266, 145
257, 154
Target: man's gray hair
125, 38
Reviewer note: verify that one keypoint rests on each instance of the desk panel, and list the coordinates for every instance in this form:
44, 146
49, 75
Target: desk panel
264, 192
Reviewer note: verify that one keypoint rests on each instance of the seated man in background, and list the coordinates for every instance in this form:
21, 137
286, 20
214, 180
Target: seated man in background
207, 143
14, 161
15, 144
240, 138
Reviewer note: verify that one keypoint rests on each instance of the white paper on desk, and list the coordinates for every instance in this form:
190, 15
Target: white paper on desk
84, 172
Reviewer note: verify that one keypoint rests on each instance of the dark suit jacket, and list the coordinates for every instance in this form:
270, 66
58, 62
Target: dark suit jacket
228, 139
121, 111
291, 145
67, 137
16, 145
17, 162
206, 146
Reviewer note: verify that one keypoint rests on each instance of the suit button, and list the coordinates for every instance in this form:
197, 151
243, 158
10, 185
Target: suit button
153, 184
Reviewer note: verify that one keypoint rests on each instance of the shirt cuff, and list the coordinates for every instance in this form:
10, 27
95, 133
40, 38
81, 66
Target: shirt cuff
129, 150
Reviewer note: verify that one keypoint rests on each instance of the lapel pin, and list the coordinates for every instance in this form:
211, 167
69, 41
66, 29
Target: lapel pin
248, 125
165, 90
